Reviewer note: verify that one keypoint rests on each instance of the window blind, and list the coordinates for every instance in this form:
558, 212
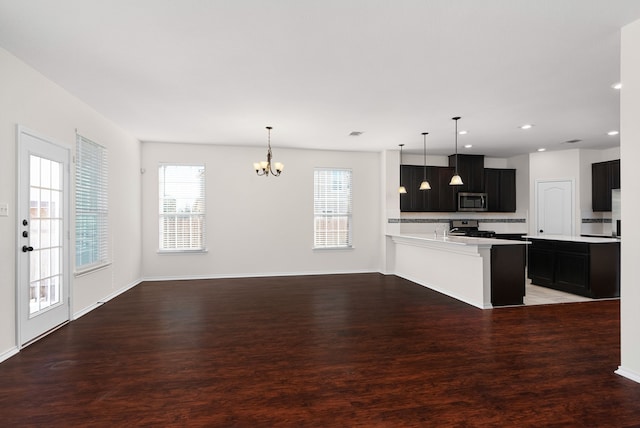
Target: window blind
92, 205
181, 208
332, 208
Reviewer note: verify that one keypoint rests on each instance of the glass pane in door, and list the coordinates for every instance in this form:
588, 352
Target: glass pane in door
45, 234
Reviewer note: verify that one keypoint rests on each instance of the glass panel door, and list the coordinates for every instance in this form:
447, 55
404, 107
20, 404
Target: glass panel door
43, 236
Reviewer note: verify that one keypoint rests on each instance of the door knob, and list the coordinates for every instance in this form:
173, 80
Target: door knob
25, 248
541, 231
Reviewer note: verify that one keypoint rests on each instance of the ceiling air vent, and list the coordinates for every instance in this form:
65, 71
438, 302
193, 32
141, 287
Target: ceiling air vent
356, 133
572, 141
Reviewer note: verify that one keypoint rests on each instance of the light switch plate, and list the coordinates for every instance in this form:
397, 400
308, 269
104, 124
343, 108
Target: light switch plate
4, 210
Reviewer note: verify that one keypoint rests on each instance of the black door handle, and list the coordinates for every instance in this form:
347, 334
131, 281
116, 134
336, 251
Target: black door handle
541, 231
25, 248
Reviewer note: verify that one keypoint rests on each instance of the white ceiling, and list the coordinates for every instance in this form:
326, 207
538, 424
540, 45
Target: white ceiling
220, 71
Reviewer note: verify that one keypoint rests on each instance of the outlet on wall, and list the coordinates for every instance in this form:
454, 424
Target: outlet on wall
4, 210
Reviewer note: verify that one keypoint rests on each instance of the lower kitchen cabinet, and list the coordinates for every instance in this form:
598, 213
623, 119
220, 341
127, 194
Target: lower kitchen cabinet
541, 263
507, 275
590, 269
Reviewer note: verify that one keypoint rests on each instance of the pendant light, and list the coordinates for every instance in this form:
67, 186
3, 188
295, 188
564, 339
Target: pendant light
401, 189
456, 180
265, 167
425, 184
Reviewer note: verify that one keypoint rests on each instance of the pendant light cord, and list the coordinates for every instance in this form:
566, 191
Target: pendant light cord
456, 119
424, 154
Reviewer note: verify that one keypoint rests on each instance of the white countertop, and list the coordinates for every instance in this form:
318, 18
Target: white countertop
573, 238
458, 240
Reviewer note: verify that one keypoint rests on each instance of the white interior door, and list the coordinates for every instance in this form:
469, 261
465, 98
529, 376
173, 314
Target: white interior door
554, 207
43, 236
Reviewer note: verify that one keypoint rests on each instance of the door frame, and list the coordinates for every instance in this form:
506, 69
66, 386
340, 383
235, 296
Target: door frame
573, 201
66, 264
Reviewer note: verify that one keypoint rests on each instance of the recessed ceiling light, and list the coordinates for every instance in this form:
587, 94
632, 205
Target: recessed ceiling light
541, 149
356, 133
463, 132
613, 133
468, 146
526, 126
617, 85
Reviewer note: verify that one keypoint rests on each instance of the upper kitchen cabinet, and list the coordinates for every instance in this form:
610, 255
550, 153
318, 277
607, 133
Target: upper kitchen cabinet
500, 186
440, 198
413, 200
604, 177
444, 196
471, 170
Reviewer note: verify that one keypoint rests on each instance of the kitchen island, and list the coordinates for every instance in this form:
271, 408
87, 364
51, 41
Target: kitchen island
586, 266
482, 272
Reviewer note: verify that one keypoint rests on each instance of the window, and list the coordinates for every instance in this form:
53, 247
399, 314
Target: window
182, 209
92, 205
332, 208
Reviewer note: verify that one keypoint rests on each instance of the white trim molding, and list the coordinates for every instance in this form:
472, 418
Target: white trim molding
116, 293
9, 353
628, 374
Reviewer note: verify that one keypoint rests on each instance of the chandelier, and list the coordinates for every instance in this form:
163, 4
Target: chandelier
265, 167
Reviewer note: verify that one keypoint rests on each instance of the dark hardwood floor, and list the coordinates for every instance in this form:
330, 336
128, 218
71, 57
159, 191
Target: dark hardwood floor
362, 350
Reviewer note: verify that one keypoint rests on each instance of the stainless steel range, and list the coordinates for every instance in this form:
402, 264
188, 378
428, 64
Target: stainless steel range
469, 228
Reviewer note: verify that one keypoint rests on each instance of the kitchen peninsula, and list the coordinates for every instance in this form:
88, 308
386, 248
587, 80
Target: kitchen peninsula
482, 272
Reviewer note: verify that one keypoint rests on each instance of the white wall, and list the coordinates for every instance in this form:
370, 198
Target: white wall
30, 99
262, 225
629, 151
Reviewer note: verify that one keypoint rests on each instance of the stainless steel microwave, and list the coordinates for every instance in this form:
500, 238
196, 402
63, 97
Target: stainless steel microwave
468, 201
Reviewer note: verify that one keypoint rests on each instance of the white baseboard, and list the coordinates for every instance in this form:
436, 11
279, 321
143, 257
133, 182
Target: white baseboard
86, 310
105, 300
250, 275
629, 374
9, 353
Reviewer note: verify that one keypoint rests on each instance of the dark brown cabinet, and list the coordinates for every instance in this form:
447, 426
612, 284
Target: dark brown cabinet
604, 177
471, 170
412, 200
507, 275
440, 198
589, 269
500, 186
